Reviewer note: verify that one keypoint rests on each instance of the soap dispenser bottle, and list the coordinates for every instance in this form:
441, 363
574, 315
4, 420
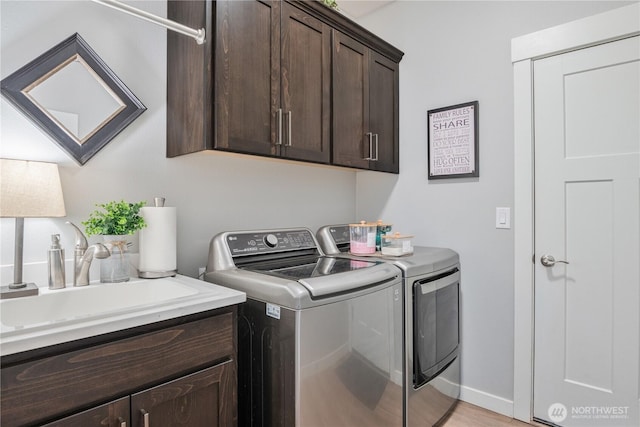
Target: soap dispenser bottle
56, 263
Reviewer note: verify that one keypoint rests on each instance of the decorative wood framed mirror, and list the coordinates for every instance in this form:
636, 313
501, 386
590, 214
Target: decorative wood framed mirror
74, 97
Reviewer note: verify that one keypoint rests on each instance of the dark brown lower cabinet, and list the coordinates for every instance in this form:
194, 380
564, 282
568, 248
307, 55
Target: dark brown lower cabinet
195, 400
180, 372
112, 414
199, 399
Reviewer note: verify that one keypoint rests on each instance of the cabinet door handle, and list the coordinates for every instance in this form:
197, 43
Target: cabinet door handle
375, 159
289, 130
145, 417
370, 135
122, 422
279, 141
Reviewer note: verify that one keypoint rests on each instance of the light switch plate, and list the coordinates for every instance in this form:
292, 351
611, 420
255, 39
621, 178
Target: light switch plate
503, 217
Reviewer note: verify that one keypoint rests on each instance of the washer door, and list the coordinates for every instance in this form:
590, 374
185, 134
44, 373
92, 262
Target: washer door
436, 333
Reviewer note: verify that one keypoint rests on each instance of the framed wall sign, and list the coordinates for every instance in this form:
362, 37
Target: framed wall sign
453, 141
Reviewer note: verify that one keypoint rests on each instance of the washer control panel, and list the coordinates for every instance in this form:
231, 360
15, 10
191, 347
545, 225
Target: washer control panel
253, 243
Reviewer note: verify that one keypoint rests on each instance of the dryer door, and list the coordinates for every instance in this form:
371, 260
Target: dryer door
436, 332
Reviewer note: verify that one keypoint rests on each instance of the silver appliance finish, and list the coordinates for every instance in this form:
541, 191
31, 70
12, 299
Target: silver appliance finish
428, 269
332, 327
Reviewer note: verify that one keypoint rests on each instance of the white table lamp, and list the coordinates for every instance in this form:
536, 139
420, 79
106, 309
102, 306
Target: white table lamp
28, 189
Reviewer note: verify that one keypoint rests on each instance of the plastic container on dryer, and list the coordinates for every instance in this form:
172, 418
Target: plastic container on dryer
362, 239
396, 244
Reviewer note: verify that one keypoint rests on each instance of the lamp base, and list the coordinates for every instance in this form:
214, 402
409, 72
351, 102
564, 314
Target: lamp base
12, 291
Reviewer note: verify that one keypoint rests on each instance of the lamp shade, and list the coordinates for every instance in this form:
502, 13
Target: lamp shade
30, 189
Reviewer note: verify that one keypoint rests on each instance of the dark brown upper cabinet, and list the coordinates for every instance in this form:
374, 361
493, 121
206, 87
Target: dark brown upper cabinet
247, 77
280, 56
365, 107
306, 86
271, 81
262, 83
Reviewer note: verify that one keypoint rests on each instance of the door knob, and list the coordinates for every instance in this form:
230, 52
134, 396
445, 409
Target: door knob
550, 261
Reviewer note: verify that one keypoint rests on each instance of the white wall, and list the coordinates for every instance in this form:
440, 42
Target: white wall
457, 52
213, 191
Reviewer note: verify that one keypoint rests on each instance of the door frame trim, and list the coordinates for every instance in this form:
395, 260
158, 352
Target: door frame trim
605, 27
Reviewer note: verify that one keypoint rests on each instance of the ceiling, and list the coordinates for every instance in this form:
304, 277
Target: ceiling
359, 8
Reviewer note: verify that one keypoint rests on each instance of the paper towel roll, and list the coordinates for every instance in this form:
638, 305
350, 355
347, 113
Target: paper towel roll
158, 242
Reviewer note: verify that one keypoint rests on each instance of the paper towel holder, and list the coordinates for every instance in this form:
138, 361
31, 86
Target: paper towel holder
158, 203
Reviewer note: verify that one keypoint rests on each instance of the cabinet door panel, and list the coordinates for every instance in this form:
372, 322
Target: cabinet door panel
247, 76
350, 111
189, 83
383, 109
306, 80
206, 398
111, 414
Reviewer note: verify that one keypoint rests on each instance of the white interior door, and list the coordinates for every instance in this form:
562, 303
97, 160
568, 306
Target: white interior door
587, 192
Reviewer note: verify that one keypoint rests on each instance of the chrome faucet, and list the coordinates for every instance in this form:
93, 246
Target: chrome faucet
83, 254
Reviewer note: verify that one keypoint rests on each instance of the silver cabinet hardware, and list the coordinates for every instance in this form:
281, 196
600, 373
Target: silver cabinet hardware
371, 156
550, 261
288, 118
375, 159
145, 417
279, 142
370, 136
122, 422
289, 129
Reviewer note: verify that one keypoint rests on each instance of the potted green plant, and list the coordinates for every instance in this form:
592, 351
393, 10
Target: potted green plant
116, 219
114, 222
333, 4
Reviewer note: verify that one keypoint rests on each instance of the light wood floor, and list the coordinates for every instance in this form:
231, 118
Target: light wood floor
346, 409
467, 415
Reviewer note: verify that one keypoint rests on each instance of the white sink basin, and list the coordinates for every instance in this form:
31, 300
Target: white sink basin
58, 316
93, 300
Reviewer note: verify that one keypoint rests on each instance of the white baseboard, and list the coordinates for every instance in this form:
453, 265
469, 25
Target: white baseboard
487, 401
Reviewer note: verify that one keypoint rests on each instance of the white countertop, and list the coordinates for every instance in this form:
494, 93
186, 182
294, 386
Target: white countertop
27, 325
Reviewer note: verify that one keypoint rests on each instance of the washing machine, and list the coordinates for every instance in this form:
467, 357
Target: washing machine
431, 349
317, 335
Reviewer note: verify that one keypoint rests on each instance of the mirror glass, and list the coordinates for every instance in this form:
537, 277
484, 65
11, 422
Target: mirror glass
74, 97
80, 112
